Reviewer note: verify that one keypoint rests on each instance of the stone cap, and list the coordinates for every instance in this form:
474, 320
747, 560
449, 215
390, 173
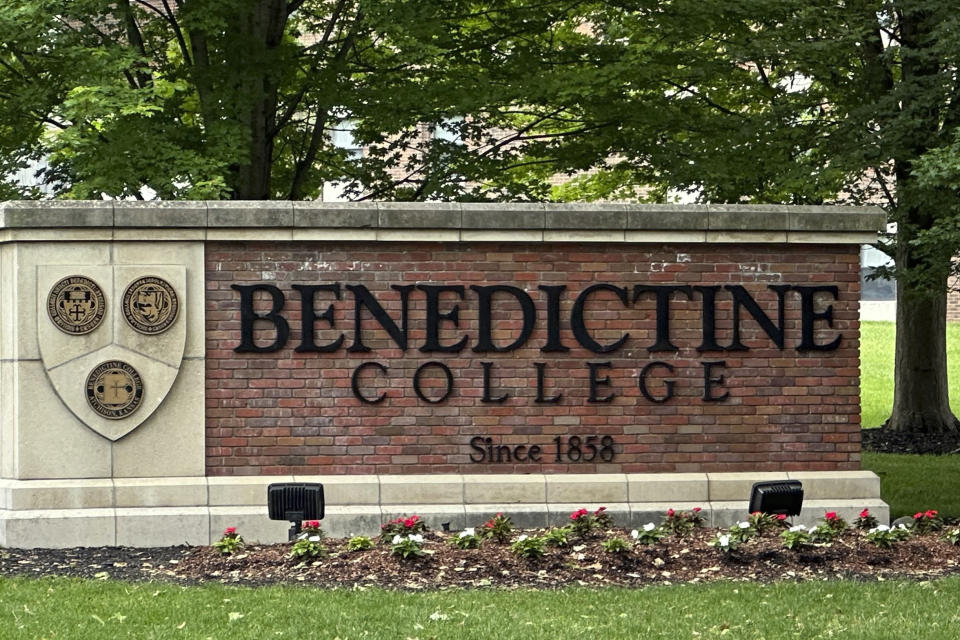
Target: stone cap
443, 221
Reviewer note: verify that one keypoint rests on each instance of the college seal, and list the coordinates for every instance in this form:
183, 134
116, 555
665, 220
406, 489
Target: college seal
150, 305
76, 305
114, 389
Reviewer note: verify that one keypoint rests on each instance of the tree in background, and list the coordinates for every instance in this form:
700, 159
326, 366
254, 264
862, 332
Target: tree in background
240, 98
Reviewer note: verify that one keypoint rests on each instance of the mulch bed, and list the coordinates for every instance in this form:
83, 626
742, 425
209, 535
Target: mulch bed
673, 560
883, 441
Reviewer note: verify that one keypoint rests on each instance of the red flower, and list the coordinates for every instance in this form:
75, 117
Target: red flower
865, 513
781, 516
670, 513
918, 515
312, 524
229, 531
931, 513
579, 513
599, 511
696, 509
831, 515
756, 513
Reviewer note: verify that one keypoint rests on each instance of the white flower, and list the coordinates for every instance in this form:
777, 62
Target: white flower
813, 529
743, 525
397, 539
797, 527
522, 538
470, 531
649, 526
314, 538
899, 526
634, 534
415, 537
724, 540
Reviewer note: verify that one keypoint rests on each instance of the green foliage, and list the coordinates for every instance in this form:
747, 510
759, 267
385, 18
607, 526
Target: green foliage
558, 536
649, 534
615, 545
359, 543
402, 526
467, 539
529, 547
886, 537
725, 542
796, 537
584, 523
905, 482
682, 523
407, 547
230, 543
742, 532
307, 546
765, 522
497, 528
928, 521
952, 536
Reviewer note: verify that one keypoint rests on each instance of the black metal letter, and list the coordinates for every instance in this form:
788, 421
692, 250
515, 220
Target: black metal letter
308, 317
709, 382
248, 317
432, 341
662, 292
669, 384
553, 318
809, 317
580, 329
416, 381
363, 298
485, 321
595, 382
742, 298
355, 382
540, 369
486, 385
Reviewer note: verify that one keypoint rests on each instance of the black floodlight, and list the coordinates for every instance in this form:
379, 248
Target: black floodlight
295, 502
782, 496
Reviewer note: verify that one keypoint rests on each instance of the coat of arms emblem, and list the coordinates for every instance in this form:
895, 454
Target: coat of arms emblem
111, 339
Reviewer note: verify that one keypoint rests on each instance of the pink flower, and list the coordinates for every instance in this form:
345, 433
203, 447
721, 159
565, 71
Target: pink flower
756, 513
579, 513
781, 516
599, 511
696, 509
918, 515
865, 513
931, 513
831, 515
670, 513
312, 524
229, 531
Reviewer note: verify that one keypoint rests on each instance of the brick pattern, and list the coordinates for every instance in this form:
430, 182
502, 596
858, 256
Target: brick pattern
953, 300
295, 413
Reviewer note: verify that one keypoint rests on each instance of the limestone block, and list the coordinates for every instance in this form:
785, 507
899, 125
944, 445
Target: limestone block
507, 216
419, 215
241, 490
737, 486
550, 235
9, 410
828, 237
168, 346
346, 490
55, 346
154, 214
58, 528
335, 215
349, 521
252, 523
522, 516
418, 235
190, 256
744, 237
602, 488
651, 237
264, 234
643, 512
434, 515
558, 514
171, 442
57, 494
8, 311
726, 513
823, 485
768, 218
416, 490
50, 442
504, 489
667, 487
160, 492
871, 219
659, 217
585, 216
56, 213
813, 511
493, 235
249, 213
162, 526
327, 234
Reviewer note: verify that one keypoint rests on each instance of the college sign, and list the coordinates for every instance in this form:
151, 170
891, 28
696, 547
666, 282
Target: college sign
162, 363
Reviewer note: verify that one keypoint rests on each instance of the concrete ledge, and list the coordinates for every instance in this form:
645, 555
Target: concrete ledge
439, 222
172, 511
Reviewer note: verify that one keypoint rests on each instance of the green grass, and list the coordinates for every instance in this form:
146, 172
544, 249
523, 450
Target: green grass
61, 608
876, 369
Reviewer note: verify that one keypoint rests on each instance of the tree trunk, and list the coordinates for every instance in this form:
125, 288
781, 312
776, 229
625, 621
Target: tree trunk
920, 400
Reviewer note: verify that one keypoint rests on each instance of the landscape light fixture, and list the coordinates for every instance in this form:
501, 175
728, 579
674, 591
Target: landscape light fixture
779, 497
295, 502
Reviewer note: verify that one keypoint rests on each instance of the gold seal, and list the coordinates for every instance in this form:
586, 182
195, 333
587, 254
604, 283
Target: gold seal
150, 305
76, 305
114, 389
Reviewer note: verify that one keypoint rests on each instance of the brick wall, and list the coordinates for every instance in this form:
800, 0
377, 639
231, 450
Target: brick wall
953, 301
286, 412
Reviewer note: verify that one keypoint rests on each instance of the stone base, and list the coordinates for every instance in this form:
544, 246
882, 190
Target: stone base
144, 512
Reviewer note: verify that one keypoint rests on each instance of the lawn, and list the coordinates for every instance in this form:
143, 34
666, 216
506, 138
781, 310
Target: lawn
63, 608
876, 369
906, 479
